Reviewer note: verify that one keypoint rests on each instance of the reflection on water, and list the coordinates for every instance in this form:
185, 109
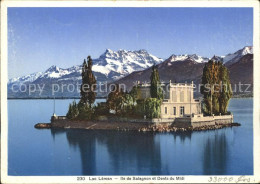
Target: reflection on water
215, 155
182, 135
87, 147
131, 147
31, 151
143, 149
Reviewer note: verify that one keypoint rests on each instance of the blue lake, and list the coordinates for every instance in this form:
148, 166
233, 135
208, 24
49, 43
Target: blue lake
227, 151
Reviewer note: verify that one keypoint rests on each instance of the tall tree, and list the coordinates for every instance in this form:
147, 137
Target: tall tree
209, 80
214, 79
155, 89
226, 90
83, 90
88, 87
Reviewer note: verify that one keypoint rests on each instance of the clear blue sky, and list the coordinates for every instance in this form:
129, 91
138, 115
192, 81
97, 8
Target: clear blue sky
41, 37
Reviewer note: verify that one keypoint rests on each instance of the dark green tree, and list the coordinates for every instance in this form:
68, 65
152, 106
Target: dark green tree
115, 99
73, 111
155, 89
100, 110
84, 85
135, 93
88, 87
226, 90
152, 108
216, 95
128, 104
85, 112
69, 113
209, 80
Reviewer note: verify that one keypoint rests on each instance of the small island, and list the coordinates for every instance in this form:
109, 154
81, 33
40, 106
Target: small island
153, 106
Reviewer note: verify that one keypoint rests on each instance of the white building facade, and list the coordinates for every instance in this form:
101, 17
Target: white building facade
178, 99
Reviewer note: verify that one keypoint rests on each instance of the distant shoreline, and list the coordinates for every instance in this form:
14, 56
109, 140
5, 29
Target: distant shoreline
49, 98
77, 98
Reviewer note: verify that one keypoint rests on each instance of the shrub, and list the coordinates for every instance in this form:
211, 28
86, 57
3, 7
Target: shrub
85, 112
73, 111
152, 107
101, 110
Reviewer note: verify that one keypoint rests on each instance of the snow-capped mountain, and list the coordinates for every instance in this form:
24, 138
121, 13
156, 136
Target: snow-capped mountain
232, 58
124, 62
228, 59
114, 65
183, 57
186, 70
110, 65
24, 79
55, 72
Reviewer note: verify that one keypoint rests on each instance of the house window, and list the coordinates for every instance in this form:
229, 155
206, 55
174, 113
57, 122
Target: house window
174, 110
165, 109
182, 110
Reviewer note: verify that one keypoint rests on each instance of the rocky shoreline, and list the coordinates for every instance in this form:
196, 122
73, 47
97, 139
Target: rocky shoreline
42, 125
125, 126
170, 128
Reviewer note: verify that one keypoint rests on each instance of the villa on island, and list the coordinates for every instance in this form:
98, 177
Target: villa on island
180, 108
149, 104
178, 99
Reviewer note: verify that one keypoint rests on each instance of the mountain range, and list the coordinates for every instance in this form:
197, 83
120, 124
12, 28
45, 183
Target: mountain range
129, 66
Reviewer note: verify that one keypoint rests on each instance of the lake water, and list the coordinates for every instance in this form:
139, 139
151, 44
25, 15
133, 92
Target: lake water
227, 151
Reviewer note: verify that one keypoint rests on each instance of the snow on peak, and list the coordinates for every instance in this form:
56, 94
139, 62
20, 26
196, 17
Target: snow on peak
198, 59
109, 50
247, 50
117, 64
114, 64
27, 78
232, 58
194, 57
124, 62
53, 68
